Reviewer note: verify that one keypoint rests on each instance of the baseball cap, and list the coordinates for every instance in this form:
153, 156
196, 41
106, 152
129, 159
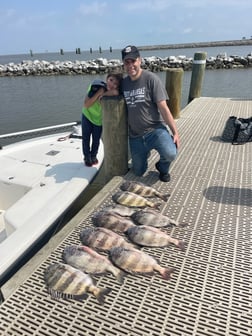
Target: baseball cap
130, 52
95, 86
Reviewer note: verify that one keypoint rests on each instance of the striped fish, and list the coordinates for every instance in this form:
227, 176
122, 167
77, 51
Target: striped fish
130, 199
112, 221
65, 281
101, 238
153, 237
136, 261
89, 261
152, 217
120, 210
143, 190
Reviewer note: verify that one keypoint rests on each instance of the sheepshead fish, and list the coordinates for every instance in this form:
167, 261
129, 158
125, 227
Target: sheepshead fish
120, 210
133, 200
135, 261
154, 218
112, 221
153, 237
143, 190
101, 238
65, 281
89, 261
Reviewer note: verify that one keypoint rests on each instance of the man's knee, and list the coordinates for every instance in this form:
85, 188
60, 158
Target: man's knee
170, 154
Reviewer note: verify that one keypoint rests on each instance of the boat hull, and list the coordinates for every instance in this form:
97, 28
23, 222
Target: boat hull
39, 181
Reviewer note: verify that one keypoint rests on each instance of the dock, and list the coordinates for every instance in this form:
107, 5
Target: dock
210, 292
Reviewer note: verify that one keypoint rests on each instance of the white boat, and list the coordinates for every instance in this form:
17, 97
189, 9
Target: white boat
40, 179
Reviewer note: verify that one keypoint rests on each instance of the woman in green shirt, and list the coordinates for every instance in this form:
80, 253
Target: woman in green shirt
92, 115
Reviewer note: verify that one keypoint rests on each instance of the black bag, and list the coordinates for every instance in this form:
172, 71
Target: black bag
237, 130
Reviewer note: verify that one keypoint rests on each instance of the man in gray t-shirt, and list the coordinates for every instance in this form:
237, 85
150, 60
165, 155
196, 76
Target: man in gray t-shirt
148, 116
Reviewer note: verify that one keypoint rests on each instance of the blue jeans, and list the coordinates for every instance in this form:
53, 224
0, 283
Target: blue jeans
90, 130
160, 140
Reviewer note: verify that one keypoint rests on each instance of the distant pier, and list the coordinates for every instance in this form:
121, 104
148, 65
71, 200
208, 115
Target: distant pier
230, 43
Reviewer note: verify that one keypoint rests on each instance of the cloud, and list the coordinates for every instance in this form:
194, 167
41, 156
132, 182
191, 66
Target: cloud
96, 8
147, 5
16, 20
211, 3
162, 5
7, 16
187, 30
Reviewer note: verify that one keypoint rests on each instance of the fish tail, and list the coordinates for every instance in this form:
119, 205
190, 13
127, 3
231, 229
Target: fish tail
173, 222
165, 197
166, 272
155, 205
182, 224
101, 293
181, 245
120, 276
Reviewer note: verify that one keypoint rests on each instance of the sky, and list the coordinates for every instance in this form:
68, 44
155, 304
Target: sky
51, 25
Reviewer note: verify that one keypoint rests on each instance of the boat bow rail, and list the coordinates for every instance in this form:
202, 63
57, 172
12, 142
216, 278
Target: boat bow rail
36, 132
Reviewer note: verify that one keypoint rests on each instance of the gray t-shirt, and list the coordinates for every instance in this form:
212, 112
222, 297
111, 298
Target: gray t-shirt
141, 97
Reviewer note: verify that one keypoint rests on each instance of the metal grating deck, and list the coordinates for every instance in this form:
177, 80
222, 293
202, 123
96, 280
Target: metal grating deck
211, 291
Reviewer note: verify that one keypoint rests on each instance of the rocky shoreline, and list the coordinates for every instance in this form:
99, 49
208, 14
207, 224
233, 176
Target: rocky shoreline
102, 65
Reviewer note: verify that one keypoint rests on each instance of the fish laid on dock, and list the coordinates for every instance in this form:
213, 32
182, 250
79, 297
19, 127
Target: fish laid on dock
89, 261
112, 221
120, 210
130, 199
101, 238
143, 190
153, 237
154, 218
136, 261
65, 281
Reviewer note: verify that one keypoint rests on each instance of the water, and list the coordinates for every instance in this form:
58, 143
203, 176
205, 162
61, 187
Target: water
116, 54
33, 102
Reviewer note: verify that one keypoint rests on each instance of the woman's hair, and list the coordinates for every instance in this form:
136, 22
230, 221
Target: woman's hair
119, 76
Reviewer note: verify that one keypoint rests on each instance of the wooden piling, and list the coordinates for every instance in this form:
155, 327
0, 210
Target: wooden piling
174, 77
115, 136
198, 70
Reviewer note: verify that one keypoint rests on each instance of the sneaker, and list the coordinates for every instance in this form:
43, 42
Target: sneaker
94, 160
88, 162
164, 177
